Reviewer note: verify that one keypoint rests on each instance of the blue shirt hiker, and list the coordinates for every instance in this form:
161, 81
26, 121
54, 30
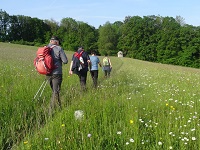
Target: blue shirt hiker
94, 62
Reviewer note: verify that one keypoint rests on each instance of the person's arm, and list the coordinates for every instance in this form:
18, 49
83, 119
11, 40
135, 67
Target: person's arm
70, 68
88, 59
99, 62
110, 63
63, 56
89, 66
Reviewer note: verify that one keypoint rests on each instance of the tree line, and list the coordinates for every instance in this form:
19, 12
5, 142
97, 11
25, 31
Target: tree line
151, 38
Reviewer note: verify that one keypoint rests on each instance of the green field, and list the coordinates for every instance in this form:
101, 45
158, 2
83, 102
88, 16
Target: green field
142, 106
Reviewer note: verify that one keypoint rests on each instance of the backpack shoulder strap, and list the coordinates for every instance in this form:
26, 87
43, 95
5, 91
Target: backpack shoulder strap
53, 46
76, 54
109, 60
81, 53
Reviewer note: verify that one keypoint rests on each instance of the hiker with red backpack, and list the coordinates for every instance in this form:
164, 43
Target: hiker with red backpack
55, 77
79, 66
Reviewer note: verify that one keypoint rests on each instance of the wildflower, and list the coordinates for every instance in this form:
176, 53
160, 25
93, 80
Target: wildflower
159, 143
25, 142
63, 125
167, 104
186, 139
193, 138
170, 147
127, 143
131, 121
182, 132
131, 140
119, 132
194, 117
141, 120
89, 135
46, 139
78, 114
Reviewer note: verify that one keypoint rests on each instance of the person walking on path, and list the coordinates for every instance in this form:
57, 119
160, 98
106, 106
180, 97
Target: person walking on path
82, 73
107, 66
55, 78
94, 67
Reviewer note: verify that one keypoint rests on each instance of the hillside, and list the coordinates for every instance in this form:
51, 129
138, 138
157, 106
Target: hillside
143, 105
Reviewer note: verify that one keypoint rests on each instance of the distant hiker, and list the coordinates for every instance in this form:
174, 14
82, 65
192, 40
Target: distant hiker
94, 67
55, 78
107, 66
79, 66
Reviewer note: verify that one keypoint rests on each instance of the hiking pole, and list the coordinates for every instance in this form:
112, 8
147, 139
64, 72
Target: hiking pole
43, 88
43, 83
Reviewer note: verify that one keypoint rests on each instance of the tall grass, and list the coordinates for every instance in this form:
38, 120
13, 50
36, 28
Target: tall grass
141, 106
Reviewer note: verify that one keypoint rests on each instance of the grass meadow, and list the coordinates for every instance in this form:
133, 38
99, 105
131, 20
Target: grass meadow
142, 106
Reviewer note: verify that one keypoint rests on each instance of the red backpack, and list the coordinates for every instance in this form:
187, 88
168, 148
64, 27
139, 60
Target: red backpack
44, 62
78, 62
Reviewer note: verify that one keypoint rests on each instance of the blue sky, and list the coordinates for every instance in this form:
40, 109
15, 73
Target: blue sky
98, 12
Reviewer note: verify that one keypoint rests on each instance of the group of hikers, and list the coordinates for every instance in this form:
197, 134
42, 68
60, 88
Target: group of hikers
91, 63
